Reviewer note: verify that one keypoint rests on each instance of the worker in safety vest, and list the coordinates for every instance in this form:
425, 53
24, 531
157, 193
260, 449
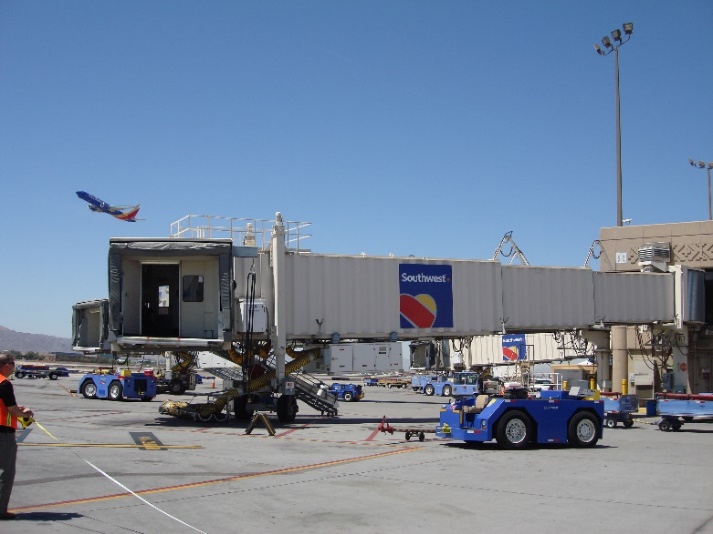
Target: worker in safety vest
9, 412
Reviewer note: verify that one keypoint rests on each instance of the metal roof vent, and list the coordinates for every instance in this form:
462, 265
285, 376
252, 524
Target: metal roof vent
654, 257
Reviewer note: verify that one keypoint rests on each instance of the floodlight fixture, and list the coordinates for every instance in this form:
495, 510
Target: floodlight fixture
610, 47
708, 167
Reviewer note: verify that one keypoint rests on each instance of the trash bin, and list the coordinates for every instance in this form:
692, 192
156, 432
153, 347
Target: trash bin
651, 408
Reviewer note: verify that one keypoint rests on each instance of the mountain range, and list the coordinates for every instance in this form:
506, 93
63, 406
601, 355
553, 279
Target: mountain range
39, 343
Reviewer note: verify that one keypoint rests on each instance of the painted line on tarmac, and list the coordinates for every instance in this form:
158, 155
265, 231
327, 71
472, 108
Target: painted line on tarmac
192, 485
71, 393
147, 441
112, 446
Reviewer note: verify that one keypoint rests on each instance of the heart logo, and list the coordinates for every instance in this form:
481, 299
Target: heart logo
420, 310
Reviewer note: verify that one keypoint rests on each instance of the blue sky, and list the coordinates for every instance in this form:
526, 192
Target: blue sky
406, 127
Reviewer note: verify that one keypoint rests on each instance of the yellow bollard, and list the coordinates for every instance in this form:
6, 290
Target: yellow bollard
564, 386
623, 386
591, 384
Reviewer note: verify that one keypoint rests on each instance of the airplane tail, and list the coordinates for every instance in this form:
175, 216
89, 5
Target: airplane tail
130, 215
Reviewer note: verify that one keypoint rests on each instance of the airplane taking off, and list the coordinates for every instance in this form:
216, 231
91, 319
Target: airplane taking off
124, 213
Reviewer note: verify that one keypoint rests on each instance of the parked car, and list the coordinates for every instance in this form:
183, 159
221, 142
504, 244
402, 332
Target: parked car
347, 392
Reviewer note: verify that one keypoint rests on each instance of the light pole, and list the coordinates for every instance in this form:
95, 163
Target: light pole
702, 165
610, 47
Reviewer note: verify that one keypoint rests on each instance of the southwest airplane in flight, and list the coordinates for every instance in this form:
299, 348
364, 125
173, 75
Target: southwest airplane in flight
124, 213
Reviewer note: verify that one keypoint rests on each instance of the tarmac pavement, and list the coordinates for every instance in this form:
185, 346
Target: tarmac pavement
116, 467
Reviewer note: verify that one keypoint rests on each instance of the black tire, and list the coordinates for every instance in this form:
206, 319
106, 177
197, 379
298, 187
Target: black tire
628, 424
241, 411
610, 422
348, 396
116, 391
54, 376
514, 430
665, 425
583, 431
287, 408
408, 436
676, 426
429, 390
89, 390
19, 374
447, 390
177, 387
421, 436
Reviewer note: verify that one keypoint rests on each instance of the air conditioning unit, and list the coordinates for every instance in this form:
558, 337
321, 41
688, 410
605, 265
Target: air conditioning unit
655, 257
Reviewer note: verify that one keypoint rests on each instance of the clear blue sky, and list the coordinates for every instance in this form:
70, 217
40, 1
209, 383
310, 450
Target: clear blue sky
408, 127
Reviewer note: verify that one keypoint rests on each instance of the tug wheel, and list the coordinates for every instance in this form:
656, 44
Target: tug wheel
514, 430
89, 390
583, 430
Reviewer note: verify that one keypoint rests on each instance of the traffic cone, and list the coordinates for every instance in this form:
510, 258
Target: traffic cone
213, 382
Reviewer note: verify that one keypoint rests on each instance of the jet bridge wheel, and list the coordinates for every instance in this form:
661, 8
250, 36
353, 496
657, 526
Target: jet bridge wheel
583, 430
514, 430
176, 387
286, 408
241, 411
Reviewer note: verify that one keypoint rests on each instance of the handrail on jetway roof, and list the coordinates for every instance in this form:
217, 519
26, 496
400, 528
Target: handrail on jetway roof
247, 232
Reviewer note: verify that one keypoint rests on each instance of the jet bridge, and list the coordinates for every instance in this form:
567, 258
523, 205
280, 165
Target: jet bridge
206, 293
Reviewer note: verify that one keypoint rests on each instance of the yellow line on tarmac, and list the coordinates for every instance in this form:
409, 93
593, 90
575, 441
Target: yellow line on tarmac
111, 445
192, 485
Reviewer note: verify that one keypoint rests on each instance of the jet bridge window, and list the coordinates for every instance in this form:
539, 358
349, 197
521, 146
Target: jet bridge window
192, 288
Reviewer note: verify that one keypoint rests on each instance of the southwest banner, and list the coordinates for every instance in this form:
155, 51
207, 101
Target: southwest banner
426, 296
514, 347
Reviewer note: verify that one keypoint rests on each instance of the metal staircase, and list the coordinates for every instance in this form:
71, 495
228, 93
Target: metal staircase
308, 389
315, 393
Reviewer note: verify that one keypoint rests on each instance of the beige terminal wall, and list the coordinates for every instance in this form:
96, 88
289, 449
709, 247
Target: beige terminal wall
691, 245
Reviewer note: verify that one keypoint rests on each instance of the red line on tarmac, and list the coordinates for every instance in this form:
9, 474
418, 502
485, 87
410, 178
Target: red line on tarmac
68, 391
192, 485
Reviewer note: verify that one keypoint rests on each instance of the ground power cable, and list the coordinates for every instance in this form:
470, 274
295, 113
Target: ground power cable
27, 421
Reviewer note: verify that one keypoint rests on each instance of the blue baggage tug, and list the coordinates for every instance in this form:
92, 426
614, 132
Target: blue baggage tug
118, 386
516, 421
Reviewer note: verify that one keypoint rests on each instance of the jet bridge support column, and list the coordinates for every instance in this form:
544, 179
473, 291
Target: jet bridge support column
601, 339
620, 357
277, 258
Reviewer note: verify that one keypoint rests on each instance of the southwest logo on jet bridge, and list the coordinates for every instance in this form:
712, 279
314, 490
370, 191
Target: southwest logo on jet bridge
514, 347
426, 299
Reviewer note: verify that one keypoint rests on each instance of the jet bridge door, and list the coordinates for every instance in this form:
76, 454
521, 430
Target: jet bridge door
160, 300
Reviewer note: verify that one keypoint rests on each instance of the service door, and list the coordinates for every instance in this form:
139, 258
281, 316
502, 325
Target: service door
159, 300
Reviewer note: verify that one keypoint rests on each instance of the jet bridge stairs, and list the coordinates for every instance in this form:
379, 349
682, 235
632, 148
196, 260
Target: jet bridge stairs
308, 388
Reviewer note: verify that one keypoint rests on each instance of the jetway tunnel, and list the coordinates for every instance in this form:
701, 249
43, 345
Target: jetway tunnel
218, 291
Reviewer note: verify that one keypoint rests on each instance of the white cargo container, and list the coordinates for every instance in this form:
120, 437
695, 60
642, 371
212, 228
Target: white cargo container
358, 358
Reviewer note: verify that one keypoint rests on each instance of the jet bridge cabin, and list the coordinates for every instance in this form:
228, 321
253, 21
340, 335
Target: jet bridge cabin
174, 293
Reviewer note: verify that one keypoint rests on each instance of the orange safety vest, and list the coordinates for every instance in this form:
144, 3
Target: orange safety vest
6, 419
